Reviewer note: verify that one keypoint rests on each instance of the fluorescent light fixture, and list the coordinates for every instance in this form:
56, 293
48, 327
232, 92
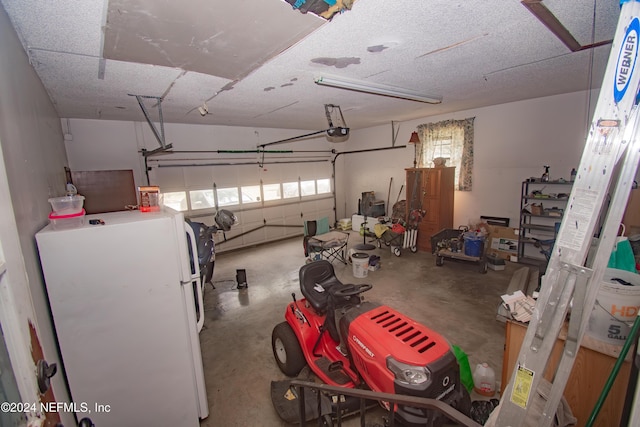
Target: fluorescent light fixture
377, 89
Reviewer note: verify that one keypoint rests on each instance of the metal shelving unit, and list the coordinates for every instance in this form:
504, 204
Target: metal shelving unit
542, 205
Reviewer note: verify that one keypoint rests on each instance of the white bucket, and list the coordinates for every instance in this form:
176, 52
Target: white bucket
616, 307
360, 262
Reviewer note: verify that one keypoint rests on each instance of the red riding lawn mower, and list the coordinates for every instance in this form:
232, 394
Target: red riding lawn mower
349, 342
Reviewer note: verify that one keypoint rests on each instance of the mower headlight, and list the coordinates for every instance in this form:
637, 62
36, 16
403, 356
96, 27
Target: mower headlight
408, 374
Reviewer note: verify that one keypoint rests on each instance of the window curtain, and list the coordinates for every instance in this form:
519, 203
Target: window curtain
460, 133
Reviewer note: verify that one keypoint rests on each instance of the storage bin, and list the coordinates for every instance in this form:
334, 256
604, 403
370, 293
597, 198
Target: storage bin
67, 205
495, 263
61, 222
473, 244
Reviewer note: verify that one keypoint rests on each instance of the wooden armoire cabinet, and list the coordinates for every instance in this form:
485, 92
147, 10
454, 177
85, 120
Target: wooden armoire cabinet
431, 190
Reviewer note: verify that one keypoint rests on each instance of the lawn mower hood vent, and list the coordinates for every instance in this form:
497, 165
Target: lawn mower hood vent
411, 342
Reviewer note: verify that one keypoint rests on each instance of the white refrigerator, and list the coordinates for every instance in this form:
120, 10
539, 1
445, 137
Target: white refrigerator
123, 298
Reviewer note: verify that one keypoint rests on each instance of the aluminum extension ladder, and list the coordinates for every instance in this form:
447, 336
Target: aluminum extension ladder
608, 166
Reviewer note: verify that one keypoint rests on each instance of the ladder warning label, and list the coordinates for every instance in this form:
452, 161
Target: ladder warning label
581, 213
522, 386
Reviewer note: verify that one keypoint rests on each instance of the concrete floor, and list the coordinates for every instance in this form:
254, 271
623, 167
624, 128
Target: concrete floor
455, 300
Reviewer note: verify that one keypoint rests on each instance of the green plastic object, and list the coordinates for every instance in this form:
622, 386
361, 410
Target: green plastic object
466, 377
623, 257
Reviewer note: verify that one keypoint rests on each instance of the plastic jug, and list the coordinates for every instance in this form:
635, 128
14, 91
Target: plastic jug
484, 380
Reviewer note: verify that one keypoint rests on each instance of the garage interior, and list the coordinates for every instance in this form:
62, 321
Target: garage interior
220, 105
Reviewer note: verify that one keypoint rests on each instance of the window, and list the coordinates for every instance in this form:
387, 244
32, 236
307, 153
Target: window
250, 194
453, 141
201, 199
271, 192
247, 195
443, 149
308, 188
324, 186
290, 189
228, 196
175, 200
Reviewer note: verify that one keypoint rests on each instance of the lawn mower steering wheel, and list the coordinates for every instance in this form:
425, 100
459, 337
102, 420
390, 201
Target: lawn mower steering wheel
351, 290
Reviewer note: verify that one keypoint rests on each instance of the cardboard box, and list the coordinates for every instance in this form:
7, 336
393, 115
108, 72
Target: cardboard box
503, 241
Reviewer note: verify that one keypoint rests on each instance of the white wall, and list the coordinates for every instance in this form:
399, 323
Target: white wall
34, 160
512, 142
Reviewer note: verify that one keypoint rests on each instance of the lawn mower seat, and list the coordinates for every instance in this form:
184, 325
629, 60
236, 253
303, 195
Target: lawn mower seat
316, 278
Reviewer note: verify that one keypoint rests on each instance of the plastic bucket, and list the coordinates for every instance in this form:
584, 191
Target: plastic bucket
473, 244
616, 307
360, 262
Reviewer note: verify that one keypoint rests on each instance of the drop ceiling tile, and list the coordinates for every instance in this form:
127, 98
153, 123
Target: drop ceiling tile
72, 26
218, 37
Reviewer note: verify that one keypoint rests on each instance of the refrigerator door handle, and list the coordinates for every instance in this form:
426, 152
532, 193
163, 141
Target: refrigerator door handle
200, 322
196, 277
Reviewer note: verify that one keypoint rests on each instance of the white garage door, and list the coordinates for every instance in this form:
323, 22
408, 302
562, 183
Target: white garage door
271, 202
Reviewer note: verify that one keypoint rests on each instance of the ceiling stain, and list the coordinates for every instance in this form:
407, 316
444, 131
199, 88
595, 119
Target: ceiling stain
337, 62
268, 89
377, 48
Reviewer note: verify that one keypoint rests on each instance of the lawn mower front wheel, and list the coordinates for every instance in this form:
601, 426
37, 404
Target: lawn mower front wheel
286, 350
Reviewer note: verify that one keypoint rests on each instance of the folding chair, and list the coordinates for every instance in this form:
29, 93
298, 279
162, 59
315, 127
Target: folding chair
320, 242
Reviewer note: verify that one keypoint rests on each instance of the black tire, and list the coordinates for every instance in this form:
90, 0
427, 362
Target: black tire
439, 261
286, 350
396, 251
413, 249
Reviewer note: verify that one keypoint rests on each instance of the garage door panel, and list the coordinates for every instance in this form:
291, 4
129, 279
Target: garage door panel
248, 175
313, 208
315, 170
288, 172
225, 176
198, 178
256, 233
168, 179
324, 204
292, 210
273, 213
252, 216
294, 219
